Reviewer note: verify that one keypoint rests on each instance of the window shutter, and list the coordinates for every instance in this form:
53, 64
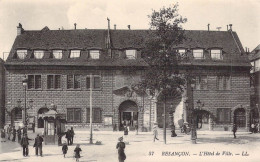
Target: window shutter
97, 82
88, 82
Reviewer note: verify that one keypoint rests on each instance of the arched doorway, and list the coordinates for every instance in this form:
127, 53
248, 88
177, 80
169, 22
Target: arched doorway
204, 119
16, 116
40, 119
240, 117
128, 114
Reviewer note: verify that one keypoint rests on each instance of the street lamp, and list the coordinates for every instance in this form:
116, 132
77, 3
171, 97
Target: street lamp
193, 124
25, 83
171, 115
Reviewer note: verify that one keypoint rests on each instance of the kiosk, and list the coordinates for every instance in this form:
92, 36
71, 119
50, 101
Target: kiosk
54, 127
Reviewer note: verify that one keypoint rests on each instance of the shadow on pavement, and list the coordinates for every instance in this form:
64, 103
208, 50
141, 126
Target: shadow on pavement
228, 140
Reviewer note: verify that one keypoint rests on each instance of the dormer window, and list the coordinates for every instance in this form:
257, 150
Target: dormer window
131, 54
181, 51
38, 54
57, 54
74, 53
216, 54
198, 54
94, 54
21, 54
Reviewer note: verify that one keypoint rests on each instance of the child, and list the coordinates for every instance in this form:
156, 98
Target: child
64, 149
77, 152
2, 135
125, 132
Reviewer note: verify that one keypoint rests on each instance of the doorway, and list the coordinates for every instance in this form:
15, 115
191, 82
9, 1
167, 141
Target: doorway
128, 115
240, 117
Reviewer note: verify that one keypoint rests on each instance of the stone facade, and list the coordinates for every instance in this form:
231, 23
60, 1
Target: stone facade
119, 72
79, 98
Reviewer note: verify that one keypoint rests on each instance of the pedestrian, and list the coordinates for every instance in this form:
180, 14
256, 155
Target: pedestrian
6, 128
19, 134
64, 149
155, 133
38, 145
33, 127
125, 132
25, 144
77, 152
121, 150
2, 135
136, 128
14, 134
258, 128
72, 133
25, 130
253, 128
9, 131
234, 130
67, 135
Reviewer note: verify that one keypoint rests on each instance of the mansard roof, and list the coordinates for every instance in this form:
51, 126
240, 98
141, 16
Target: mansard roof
86, 39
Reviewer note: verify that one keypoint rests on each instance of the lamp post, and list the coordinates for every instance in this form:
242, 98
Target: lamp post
25, 83
258, 108
193, 116
171, 115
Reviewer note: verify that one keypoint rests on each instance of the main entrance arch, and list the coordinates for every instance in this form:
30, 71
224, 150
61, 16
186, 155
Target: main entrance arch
128, 114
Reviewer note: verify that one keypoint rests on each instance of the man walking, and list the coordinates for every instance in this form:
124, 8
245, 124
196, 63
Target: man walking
72, 133
19, 134
38, 145
234, 130
68, 136
9, 131
24, 144
14, 134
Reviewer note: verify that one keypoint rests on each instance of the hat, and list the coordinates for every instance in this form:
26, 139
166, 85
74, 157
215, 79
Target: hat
120, 138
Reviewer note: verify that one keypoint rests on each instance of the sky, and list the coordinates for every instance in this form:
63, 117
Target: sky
92, 14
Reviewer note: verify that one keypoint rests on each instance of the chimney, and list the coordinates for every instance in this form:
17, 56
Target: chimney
108, 39
20, 29
227, 27
208, 26
129, 27
230, 25
75, 26
114, 26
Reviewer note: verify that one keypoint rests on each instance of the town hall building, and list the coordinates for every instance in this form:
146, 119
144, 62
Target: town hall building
62, 65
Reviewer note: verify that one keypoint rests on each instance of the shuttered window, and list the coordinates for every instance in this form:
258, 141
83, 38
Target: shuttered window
96, 82
201, 82
34, 82
223, 82
53, 81
74, 115
97, 115
73, 81
223, 115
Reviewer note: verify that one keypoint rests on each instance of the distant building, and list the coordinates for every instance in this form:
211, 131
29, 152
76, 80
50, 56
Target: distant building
60, 65
2, 94
254, 57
